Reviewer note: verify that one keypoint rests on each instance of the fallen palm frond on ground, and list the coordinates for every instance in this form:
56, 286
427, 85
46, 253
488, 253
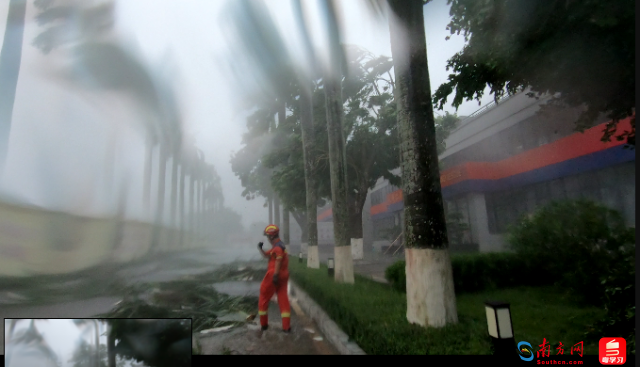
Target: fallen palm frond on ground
191, 297
41, 289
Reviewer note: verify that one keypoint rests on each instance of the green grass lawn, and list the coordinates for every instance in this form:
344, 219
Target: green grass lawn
374, 316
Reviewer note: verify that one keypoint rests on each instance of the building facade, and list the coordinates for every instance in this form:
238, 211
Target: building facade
505, 161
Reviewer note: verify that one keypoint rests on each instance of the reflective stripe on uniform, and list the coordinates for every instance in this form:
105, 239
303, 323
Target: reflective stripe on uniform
279, 257
262, 313
285, 314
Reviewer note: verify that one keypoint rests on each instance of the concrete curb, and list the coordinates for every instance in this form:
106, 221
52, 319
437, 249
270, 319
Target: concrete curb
330, 329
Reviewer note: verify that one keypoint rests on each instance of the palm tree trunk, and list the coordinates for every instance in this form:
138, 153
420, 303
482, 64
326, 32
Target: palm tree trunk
205, 204
97, 335
276, 210
301, 219
201, 212
162, 174
355, 205
182, 197
146, 195
282, 111
310, 233
430, 293
343, 258
174, 188
337, 159
111, 345
10, 59
285, 225
110, 162
192, 209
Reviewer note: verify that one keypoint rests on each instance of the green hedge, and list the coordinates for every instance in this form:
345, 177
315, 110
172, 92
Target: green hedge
374, 316
477, 272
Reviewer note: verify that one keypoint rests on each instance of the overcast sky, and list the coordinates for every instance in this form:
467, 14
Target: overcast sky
58, 141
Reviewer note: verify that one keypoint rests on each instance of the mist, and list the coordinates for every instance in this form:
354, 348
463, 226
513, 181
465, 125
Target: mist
108, 89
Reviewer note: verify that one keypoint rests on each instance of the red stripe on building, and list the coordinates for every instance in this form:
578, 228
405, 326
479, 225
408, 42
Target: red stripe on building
325, 214
573, 146
570, 147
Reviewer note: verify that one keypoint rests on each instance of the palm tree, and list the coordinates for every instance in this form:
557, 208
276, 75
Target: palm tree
188, 156
10, 58
31, 339
111, 345
195, 179
91, 325
256, 32
95, 57
430, 300
146, 193
337, 153
430, 294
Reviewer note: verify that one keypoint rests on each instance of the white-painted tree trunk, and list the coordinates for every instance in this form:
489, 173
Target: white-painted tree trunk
344, 265
313, 260
431, 299
357, 248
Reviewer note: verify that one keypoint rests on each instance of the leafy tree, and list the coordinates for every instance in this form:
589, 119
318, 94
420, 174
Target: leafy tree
580, 52
226, 221
369, 129
250, 162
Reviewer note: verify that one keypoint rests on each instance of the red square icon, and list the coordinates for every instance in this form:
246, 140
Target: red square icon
613, 351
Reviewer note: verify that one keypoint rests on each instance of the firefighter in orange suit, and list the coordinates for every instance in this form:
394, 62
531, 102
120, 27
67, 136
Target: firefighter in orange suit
276, 280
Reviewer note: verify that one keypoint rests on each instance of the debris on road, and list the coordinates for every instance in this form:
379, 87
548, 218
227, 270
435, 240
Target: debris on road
217, 329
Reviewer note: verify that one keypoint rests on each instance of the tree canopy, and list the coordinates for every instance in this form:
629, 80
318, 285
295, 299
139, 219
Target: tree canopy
272, 158
580, 52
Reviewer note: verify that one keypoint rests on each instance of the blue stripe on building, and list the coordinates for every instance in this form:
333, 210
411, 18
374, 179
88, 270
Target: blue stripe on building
605, 158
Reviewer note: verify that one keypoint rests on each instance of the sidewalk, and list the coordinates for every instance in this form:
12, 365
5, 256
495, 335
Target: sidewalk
305, 337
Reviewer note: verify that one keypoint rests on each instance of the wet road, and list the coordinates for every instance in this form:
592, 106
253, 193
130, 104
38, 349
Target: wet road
157, 270
177, 265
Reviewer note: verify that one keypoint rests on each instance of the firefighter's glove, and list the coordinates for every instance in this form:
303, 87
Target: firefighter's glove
260, 244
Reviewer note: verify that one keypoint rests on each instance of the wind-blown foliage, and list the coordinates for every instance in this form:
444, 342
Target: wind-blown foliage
30, 340
156, 343
582, 50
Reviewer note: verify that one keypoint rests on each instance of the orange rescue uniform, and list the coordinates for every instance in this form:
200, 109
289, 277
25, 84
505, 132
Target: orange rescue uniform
267, 288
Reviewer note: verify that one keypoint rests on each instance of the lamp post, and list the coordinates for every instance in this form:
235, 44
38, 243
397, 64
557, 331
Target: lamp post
500, 328
330, 266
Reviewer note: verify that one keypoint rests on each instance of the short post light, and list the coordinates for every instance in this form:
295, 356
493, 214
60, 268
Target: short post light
500, 328
300, 258
330, 266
